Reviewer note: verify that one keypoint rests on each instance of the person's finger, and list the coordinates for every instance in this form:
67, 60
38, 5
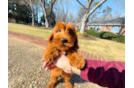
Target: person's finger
52, 67
42, 59
45, 64
55, 61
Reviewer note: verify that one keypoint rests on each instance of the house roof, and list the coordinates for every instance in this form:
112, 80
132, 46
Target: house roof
118, 21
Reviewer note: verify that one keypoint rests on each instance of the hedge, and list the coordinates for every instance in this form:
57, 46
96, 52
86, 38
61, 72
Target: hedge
92, 32
119, 39
105, 35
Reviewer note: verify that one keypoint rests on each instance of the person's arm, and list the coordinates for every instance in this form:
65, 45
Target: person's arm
107, 74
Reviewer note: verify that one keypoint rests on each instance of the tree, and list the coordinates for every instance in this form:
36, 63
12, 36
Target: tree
106, 12
87, 13
93, 16
81, 12
49, 12
18, 12
44, 6
29, 5
62, 10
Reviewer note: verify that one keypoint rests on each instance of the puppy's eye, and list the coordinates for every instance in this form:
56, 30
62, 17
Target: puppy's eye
70, 32
59, 30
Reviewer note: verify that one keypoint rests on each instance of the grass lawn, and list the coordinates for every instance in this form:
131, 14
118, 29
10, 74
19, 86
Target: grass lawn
33, 31
103, 48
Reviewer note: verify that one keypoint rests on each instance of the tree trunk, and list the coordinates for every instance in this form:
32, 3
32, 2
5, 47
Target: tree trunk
32, 19
84, 22
82, 30
85, 17
52, 3
32, 12
46, 22
45, 13
87, 14
46, 19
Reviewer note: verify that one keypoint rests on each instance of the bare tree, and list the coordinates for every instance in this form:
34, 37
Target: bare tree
28, 4
62, 10
71, 17
81, 12
93, 17
87, 13
43, 3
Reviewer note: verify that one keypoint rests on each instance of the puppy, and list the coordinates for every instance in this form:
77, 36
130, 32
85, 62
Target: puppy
63, 39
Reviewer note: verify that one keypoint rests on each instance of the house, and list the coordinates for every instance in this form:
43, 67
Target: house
116, 26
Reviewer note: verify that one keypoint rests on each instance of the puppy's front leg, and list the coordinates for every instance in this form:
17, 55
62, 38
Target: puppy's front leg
76, 60
50, 53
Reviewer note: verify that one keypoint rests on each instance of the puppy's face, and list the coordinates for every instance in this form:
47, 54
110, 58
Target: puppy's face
64, 36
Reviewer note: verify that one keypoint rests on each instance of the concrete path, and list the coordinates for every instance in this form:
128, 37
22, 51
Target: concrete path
25, 67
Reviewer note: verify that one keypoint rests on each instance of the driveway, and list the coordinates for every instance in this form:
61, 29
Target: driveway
25, 67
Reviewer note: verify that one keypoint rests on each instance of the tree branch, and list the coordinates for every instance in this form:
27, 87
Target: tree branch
95, 8
81, 4
29, 8
88, 5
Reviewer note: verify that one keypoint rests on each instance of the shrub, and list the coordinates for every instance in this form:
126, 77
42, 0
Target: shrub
42, 27
119, 39
84, 34
108, 35
78, 30
78, 33
101, 34
92, 32
11, 20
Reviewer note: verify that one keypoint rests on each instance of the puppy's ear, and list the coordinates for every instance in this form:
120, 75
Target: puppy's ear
50, 38
76, 43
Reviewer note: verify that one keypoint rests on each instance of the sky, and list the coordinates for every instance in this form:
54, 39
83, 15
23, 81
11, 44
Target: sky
116, 7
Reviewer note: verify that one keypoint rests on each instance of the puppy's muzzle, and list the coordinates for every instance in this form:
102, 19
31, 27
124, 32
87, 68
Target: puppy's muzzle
63, 40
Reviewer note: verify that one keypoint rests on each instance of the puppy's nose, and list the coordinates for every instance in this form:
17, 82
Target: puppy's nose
63, 40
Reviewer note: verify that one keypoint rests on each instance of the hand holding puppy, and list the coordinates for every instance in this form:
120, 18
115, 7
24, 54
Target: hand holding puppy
61, 62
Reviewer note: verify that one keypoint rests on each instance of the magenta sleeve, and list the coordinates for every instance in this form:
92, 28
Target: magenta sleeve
107, 74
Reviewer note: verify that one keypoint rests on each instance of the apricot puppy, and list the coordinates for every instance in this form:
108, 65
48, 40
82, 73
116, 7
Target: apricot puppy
63, 39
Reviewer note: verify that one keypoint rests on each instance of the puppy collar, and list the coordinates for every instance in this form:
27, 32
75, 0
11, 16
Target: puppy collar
64, 53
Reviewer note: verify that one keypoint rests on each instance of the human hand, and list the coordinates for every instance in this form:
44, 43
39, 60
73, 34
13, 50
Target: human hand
61, 62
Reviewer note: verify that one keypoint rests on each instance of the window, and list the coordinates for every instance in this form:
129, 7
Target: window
95, 27
98, 28
91, 27
115, 29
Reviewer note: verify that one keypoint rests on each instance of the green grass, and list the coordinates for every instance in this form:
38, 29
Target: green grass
28, 30
104, 48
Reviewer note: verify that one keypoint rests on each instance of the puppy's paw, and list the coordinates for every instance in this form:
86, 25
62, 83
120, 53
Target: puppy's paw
81, 63
50, 56
78, 62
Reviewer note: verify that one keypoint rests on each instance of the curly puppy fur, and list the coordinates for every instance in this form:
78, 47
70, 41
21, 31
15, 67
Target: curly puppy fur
63, 39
